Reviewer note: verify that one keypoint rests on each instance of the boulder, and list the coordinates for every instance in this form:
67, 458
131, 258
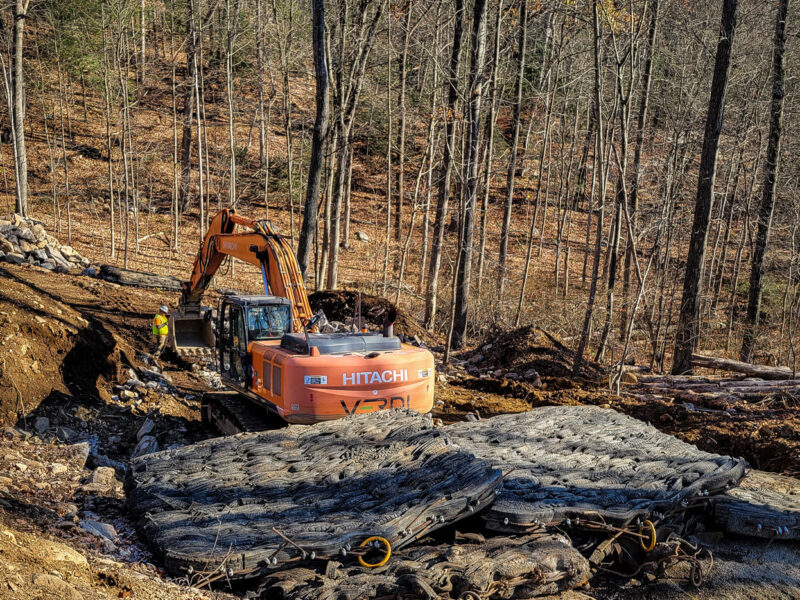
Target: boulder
101, 530
67, 251
102, 480
42, 424
5, 245
147, 445
146, 429
39, 232
26, 247
14, 258
361, 236
26, 234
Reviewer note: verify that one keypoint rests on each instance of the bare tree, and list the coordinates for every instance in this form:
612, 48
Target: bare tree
18, 114
688, 324
512, 160
475, 95
319, 138
446, 170
768, 194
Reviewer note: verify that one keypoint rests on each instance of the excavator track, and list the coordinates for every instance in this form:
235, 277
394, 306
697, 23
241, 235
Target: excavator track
231, 413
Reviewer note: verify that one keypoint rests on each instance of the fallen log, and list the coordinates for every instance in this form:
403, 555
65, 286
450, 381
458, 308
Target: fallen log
766, 387
139, 278
725, 364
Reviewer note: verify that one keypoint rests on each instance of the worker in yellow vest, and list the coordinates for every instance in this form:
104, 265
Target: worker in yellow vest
161, 329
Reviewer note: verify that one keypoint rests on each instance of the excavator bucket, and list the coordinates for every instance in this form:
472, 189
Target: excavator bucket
191, 334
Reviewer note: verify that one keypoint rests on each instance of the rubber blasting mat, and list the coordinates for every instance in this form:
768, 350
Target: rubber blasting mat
247, 502
582, 462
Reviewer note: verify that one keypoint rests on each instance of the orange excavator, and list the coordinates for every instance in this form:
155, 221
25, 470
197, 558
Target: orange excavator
267, 348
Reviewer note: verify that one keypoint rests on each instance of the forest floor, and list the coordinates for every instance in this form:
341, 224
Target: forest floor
68, 342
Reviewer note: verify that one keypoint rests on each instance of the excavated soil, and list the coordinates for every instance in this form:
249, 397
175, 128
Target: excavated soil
529, 348
339, 305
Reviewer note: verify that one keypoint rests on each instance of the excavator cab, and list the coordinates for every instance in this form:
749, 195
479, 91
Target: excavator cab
245, 319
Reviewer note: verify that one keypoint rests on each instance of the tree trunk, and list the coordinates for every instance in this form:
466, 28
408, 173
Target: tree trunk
401, 133
491, 121
512, 160
18, 84
600, 163
318, 139
447, 163
475, 95
688, 324
770, 176
188, 109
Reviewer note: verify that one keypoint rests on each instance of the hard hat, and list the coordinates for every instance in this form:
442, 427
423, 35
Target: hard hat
164, 308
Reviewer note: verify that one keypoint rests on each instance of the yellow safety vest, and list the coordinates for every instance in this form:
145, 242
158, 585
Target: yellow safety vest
160, 325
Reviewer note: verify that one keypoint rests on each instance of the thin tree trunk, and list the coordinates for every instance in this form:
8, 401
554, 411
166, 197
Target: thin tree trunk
770, 177
319, 137
18, 115
512, 160
447, 163
464, 273
688, 325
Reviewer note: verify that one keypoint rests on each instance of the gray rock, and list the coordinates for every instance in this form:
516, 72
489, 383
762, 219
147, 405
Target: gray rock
26, 247
65, 434
39, 255
80, 453
39, 232
146, 429
42, 424
14, 258
147, 445
26, 234
67, 251
89, 271
102, 530
6, 246
48, 264
361, 236
475, 358
102, 480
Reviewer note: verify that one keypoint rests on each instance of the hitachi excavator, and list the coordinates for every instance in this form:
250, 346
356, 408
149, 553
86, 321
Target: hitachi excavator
268, 351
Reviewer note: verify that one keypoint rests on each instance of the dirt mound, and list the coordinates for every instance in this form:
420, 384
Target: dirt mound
339, 305
49, 349
527, 352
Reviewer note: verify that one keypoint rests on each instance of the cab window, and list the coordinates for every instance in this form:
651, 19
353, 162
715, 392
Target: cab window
268, 322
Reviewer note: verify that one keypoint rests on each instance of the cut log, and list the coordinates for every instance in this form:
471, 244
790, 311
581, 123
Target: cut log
139, 278
724, 364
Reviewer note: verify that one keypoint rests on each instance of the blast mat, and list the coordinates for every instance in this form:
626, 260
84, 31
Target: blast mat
472, 567
582, 462
242, 504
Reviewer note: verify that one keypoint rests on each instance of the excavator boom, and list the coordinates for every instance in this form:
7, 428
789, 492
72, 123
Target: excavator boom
261, 246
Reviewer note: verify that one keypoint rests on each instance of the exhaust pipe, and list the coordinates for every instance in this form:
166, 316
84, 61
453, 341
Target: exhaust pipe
388, 322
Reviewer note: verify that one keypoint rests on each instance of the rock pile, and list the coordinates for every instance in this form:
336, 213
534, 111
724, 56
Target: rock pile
26, 241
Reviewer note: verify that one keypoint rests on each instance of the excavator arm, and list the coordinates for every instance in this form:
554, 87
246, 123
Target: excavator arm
259, 245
